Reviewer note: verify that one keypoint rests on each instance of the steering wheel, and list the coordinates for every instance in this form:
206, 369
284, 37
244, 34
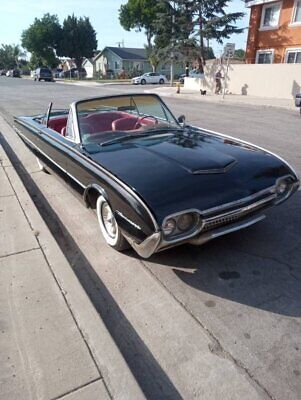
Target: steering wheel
140, 119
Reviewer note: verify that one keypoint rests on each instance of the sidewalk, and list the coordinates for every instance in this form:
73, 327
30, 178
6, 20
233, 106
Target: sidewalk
229, 99
53, 344
167, 91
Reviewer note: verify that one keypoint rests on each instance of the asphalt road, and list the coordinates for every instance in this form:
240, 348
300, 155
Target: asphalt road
236, 299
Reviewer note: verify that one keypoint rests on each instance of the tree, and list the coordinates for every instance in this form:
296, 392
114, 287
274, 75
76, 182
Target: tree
211, 21
78, 39
138, 15
42, 38
173, 28
10, 56
153, 57
240, 54
187, 26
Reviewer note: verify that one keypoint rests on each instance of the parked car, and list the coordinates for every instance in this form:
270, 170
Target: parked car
3, 72
13, 73
57, 72
75, 73
154, 181
44, 74
194, 73
298, 101
149, 77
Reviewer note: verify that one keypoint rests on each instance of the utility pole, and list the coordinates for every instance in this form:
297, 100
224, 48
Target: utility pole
172, 54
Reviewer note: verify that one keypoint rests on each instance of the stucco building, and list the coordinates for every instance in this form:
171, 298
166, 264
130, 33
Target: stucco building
274, 32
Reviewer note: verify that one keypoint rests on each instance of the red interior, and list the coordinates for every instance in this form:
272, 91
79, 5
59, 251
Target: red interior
110, 121
57, 124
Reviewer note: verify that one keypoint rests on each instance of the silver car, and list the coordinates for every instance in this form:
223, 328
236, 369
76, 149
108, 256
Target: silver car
149, 77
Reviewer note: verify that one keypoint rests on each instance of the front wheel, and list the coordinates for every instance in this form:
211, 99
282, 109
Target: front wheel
108, 225
161, 81
143, 81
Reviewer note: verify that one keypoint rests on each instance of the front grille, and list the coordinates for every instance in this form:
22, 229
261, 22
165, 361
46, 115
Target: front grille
221, 220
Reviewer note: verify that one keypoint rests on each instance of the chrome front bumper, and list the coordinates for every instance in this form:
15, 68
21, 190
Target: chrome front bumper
217, 222
155, 243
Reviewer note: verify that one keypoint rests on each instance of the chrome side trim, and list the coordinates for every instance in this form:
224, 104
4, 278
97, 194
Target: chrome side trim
50, 159
97, 166
249, 144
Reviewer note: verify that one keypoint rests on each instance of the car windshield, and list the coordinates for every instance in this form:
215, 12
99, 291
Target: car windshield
103, 119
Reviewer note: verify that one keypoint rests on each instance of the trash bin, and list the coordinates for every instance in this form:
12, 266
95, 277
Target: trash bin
298, 100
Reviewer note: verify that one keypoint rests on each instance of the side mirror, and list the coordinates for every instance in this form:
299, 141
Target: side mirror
182, 120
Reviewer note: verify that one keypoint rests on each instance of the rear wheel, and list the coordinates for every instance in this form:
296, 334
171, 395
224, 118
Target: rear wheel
108, 225
143, 81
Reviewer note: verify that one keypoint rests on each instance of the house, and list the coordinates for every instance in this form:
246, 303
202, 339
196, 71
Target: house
274, 32
88, 65
67, 63
125, 61
115, 60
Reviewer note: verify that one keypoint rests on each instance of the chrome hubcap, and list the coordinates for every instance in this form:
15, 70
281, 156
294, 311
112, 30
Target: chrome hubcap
109, 220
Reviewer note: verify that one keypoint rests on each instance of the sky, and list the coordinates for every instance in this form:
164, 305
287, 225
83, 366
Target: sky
17, 15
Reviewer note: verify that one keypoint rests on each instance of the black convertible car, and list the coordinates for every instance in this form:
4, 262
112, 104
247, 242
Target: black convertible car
154, 181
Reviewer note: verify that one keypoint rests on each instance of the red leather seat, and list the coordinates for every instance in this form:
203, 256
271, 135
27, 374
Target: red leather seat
103, 122
57, 124
125, 124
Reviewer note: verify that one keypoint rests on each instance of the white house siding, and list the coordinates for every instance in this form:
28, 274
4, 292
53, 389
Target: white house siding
89, 68
108, 60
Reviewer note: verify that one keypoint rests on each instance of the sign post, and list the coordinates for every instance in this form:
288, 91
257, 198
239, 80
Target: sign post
229, 51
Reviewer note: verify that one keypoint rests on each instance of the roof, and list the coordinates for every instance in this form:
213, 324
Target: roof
127, 53
250, 3
86, 60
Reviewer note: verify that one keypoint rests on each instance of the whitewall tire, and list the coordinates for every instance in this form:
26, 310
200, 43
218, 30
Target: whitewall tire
108, 225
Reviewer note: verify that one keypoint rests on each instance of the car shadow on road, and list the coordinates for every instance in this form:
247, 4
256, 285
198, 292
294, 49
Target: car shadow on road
259, 266
150, 376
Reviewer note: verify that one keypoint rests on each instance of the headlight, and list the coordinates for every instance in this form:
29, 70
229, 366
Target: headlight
181, 225
169, 226
281, 187
186, 221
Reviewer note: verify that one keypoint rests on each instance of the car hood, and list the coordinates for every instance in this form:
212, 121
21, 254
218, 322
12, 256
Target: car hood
191, 170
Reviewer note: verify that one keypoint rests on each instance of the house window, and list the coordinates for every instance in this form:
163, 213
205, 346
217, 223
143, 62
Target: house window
293, 56
116, 65
264, 57
270, 15
297, 12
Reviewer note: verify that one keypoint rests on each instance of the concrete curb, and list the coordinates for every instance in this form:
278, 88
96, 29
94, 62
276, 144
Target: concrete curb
117, 376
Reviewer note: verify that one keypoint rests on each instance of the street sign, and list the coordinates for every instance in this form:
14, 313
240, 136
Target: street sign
229, 50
